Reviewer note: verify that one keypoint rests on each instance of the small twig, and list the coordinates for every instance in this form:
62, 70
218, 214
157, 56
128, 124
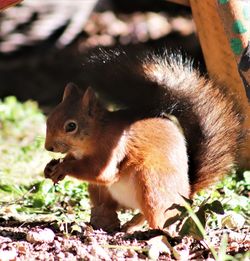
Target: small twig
136, 248
196, 254
18, 200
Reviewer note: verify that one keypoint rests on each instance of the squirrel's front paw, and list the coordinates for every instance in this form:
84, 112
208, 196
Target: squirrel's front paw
54, 171
50, 167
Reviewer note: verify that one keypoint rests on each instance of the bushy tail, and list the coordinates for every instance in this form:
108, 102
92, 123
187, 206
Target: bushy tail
159, 84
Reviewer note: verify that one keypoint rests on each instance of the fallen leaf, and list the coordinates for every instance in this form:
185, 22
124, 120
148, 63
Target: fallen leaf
232, 220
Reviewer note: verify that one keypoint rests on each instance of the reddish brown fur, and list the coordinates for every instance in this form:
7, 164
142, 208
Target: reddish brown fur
213, 151
155, 84
156, 150
150, 151
140, 160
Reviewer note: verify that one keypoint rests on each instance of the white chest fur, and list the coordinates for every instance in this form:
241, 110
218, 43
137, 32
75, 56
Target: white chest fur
124, 192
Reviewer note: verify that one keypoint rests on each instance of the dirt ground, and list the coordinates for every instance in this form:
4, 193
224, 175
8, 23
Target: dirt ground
44, 242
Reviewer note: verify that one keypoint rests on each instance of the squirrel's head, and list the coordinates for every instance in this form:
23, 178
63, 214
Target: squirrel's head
73, 124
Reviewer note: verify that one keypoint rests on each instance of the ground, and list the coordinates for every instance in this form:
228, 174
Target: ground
20, 241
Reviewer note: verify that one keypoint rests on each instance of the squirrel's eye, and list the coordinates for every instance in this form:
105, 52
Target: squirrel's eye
70, 126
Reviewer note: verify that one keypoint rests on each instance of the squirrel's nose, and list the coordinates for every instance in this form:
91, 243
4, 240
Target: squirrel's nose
49, 147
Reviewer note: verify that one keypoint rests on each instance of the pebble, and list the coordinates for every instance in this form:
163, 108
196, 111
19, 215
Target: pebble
38, 235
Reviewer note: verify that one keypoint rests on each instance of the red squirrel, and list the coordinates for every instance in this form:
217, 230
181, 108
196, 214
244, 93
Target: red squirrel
137, 156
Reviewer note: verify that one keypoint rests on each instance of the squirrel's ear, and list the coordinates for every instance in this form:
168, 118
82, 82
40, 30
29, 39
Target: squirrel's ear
89, 101
69, 89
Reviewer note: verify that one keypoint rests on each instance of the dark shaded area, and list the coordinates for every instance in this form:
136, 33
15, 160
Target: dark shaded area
40, 70
244, 68
149, 5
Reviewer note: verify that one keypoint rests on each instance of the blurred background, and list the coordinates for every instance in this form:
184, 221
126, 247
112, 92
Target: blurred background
42, 43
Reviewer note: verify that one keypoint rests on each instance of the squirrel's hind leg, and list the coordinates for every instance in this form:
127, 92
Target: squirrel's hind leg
157, 194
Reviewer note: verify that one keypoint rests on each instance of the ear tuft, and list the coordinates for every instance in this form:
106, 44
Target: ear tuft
89, 101
88, 97
70, 89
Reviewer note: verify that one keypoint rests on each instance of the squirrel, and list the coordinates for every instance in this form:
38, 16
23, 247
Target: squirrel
173, 133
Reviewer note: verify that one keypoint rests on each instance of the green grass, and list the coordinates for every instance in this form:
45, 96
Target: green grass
26, 195
22, 132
